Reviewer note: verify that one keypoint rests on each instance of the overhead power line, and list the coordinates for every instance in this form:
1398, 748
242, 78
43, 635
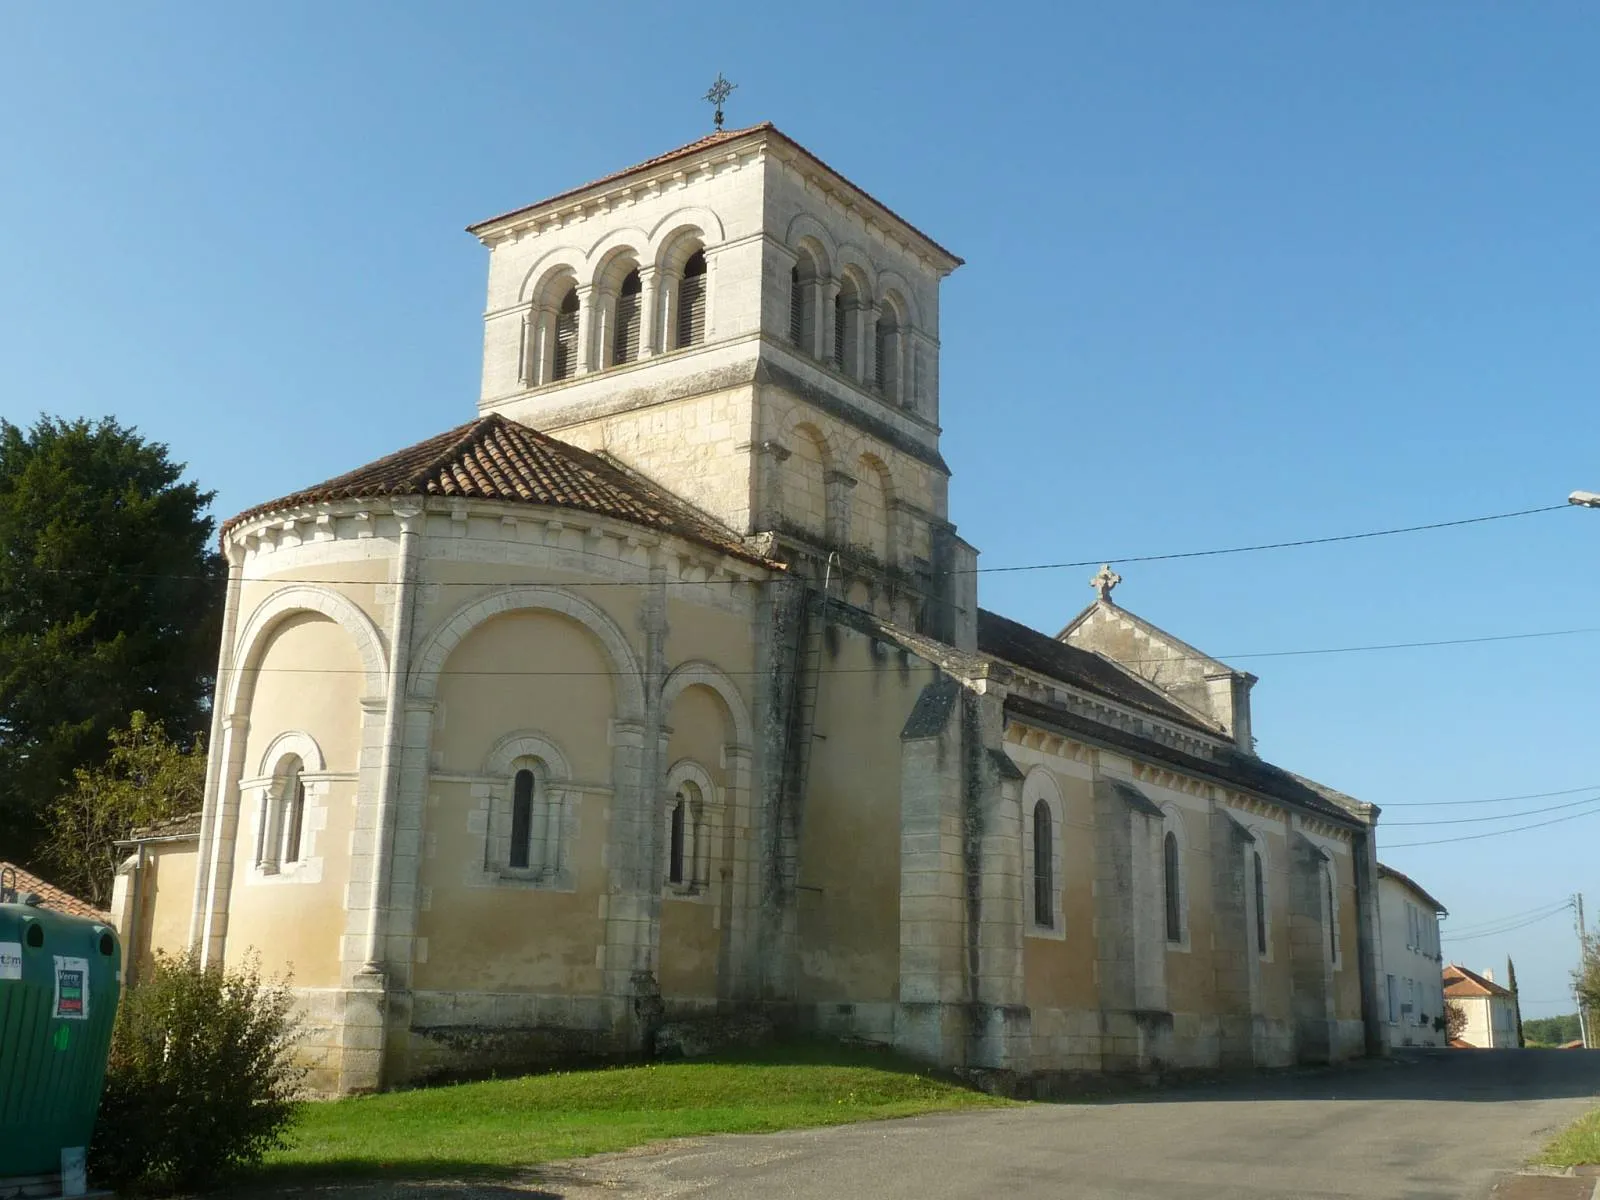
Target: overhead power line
1527, 812
1590, 787
1473, 837
1474, 937
1317, 541
1049, 566
1510, 918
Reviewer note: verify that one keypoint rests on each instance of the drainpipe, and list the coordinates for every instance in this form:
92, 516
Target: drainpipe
393, 733
130, 936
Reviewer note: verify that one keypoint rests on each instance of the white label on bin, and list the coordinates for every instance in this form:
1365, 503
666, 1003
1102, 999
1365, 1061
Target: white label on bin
10, 960
72, 988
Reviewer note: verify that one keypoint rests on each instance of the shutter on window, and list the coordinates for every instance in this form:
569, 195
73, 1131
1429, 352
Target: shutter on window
797, 309
625, 345
692, 311
566, 363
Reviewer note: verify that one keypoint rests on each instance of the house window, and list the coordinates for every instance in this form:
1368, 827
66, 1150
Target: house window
565, 364
1261, 904
1171, 882
1394, 1001
521, 819
625, 338
1044, 913
691, 330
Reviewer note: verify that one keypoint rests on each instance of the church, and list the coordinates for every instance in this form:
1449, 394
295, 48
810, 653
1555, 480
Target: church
660, 690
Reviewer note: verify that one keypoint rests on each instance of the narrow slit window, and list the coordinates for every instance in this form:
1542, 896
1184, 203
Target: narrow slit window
692, 301
679, 830
1261, 905
1174, 908
521, 819
1333, 914
1044, 913
294, 817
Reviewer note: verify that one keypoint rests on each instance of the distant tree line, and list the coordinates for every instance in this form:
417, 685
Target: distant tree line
1551, 1031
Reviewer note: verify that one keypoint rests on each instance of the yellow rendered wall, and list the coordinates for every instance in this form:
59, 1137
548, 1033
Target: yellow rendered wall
525, 671
1060, 972
310, 681
849, 902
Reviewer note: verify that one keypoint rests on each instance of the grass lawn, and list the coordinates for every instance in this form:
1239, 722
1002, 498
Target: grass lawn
1575, 1145
503, 1125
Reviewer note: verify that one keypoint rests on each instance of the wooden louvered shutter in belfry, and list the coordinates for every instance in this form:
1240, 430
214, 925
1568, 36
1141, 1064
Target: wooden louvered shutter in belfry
566, 356
838, 333
625, 343
880, 360
692, 301
797, 307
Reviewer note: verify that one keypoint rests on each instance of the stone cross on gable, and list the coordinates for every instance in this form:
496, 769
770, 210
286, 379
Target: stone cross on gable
1105, 581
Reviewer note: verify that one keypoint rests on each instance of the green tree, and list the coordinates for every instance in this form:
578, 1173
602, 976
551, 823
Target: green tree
145, 778
110, 603
1516, 999
1552, 1031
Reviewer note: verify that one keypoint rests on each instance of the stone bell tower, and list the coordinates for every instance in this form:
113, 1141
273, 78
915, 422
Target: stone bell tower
746, 328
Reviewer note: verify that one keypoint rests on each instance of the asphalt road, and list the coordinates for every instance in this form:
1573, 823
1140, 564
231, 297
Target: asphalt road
1439, 1126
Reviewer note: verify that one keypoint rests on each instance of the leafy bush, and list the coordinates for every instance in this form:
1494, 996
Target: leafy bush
200, 1082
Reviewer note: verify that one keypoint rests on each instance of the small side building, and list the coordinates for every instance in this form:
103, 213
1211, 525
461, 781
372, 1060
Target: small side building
1491, 1009
1413, 986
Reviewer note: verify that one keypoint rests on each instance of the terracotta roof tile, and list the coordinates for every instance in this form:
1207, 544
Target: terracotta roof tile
1458, 982
50, 896
493, 458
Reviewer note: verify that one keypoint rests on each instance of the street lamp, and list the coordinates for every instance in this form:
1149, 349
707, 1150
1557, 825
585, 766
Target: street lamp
1585, 499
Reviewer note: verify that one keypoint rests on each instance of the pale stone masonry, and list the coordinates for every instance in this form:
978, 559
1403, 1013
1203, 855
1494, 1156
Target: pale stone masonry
661, 690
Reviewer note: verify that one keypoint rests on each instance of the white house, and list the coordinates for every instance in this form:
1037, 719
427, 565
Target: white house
1491, 1009
1414, 991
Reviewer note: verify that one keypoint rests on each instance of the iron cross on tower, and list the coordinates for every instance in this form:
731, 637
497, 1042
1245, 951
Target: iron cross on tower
720, 91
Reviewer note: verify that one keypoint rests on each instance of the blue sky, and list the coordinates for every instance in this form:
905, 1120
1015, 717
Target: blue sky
1236, 272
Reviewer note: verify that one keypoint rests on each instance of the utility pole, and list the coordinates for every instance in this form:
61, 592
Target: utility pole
1583, 957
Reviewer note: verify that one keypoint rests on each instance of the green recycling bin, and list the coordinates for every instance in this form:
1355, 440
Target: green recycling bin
60, 977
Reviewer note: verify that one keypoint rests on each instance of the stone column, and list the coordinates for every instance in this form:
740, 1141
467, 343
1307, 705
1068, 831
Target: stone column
649, 342
588, 319
216, 762
867, 345
738, 971
839, 488
827, 299
224, 839
771, 455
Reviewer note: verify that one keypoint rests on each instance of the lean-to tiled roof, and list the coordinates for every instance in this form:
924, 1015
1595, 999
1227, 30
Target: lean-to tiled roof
1014, 642
494, 458
50, 896
173, 829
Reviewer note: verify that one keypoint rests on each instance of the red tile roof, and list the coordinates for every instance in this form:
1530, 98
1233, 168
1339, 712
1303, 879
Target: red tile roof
50, 896
494, 458
1460, 982
699, 146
